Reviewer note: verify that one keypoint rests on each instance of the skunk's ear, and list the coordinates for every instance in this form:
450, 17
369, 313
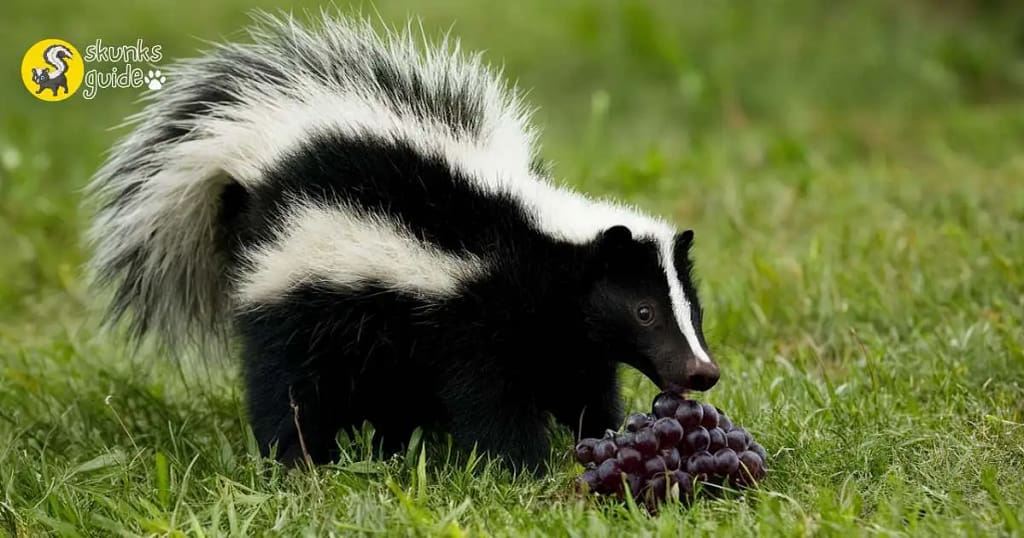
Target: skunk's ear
616, 236
684, 239
681, 245
610, 250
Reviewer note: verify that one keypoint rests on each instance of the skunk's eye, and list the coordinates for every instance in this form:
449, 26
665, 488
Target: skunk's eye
645, 314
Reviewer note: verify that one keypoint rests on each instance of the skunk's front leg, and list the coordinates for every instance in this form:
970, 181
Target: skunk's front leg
589, 414
484, 416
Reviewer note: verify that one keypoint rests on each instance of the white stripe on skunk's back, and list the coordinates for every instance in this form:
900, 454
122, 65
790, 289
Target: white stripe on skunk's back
343, 248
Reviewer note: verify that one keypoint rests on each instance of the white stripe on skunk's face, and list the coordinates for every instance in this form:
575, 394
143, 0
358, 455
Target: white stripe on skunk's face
682, 306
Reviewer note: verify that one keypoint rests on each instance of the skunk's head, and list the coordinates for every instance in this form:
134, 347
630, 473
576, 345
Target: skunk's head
40, 74
642, 308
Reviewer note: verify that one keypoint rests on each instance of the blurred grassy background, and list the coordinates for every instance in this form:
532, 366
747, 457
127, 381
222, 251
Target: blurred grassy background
854, 174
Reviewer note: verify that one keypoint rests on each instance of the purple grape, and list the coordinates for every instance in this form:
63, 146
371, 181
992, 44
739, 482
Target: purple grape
685, 482
750, 471
610, 475
672, 487
585, 451
655, 465
636, 421
710, 419
759, 450
689, 414
630, 459
738, 440
589, 480
697, 439
646, 442
625, 439
665, 405
724, 422
604, 450
700, 464
656, 488
753, 464
669, 431
726, 462
717, 437
671, 458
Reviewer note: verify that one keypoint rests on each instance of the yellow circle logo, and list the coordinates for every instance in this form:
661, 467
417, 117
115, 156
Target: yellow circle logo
52, 70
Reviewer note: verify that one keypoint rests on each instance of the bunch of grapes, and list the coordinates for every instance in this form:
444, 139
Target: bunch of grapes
661, 456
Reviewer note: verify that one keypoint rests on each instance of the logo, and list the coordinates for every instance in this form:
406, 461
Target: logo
117, 66
52, 70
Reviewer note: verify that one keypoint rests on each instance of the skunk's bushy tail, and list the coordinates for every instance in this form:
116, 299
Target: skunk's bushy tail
219, 119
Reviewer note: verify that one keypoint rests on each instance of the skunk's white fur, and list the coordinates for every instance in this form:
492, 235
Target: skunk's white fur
344, 247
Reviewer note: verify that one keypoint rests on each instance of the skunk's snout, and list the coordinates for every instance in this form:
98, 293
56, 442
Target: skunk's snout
702, 375
679, 375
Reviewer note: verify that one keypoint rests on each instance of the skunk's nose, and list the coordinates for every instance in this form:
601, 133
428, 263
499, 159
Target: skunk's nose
703, 376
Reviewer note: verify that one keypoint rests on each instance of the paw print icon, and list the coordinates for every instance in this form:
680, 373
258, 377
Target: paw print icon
155, 80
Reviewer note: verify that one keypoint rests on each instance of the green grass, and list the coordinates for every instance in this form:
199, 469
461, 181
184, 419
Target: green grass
853, 171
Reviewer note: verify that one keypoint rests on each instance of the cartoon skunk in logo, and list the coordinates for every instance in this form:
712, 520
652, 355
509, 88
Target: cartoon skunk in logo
56, 56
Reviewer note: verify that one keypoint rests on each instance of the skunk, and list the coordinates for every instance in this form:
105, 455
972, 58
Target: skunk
57, 56
366, 216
